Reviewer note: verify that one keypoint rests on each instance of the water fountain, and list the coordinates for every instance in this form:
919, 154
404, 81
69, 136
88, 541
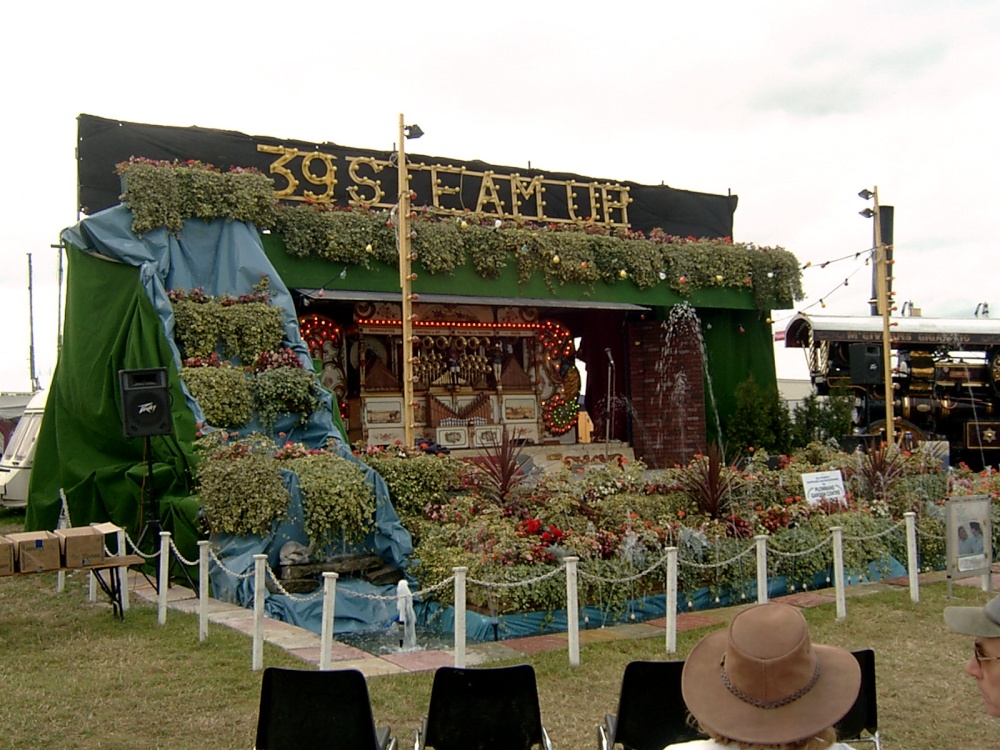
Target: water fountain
407, 618
681, 330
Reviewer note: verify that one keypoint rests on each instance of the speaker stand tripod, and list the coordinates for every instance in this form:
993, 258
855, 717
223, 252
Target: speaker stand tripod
152, 525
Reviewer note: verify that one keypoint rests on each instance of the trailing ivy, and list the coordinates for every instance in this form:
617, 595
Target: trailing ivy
165, 194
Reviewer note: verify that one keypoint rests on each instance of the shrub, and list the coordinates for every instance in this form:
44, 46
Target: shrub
337, 500
283, 390
240, 484
415, 480
222, 392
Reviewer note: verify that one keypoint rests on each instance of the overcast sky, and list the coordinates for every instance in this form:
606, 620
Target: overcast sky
794, 106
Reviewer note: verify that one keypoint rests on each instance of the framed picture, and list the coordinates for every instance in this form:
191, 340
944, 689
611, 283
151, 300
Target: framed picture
383, 412
488, 436
453, 437
520, 408
969, 545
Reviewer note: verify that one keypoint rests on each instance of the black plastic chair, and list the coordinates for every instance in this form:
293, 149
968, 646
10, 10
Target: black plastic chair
651, 710
304, 708
483, 709
863, 716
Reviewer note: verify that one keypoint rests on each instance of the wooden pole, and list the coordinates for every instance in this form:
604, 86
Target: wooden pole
405, 279
885, 308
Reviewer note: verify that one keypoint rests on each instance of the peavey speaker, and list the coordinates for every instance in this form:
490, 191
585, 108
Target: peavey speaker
145, 402
866, 364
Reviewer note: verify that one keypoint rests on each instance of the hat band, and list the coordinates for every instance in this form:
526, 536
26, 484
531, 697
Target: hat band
767, 704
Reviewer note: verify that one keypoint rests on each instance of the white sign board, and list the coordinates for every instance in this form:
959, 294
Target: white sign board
969, 546
824, 485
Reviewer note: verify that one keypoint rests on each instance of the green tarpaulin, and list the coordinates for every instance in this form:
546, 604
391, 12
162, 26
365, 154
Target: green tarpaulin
111, 325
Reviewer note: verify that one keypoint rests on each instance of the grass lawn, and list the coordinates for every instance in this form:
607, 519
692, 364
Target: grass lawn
75, 677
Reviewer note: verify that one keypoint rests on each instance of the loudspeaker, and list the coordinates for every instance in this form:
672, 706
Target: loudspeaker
145, 402
866, 364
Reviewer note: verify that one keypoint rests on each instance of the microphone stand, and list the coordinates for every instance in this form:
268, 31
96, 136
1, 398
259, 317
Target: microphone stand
610, 413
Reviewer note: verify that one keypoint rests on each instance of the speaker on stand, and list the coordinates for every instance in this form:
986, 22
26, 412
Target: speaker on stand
145, 402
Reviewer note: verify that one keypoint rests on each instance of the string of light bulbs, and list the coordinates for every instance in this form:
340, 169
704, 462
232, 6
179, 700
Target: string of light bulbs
821, 301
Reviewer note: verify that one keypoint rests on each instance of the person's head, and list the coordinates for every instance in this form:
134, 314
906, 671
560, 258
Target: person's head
977, 529
763, 683
962, 533
983, 624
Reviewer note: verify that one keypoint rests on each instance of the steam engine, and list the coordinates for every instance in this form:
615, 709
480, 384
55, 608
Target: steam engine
945, 376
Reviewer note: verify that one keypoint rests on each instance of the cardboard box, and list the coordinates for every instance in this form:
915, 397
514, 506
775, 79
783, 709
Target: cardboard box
80, 545
35, 551
6, 556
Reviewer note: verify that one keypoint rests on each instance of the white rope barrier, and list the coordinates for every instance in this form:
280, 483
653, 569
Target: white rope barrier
722, 564
163, 578
519, 584
329, 615
259, 564
572, 611
460, 604
912, 560
837, 533
671, 603
203, 550
877, 535
761, 543
804, 552
670, 560
628, 579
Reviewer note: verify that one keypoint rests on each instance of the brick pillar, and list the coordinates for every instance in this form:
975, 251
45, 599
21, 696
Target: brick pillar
667, 392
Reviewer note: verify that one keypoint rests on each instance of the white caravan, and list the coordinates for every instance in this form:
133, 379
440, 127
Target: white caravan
15, 466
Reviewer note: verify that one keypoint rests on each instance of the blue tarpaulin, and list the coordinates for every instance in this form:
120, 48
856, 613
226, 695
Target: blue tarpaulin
222, 257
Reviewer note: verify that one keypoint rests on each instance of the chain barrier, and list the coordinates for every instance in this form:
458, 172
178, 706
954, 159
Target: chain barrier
226, 570
274, 579
396, 597
877, 535
506, 585
629, 579
139, 552
803, 553
709, 566
179, 556
517, 584
928, 534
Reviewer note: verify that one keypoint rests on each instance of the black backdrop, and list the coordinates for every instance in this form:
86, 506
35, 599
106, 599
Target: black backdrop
103, 143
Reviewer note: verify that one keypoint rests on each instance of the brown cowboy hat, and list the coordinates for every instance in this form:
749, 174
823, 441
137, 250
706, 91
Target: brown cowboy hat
762, 681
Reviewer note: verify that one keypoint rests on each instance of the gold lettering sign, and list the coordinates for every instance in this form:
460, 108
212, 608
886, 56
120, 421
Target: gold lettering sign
507, 196
359, 170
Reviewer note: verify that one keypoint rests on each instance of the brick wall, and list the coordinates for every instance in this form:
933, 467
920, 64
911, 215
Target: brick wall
667, 394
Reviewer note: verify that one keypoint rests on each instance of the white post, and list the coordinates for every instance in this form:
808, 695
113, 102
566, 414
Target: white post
203, 590
259, 574
761, 540
460, 615
163, 579
61, 583
572, 611
91, 587
912, 562
122, 571
329, 613
671, 613
838, 570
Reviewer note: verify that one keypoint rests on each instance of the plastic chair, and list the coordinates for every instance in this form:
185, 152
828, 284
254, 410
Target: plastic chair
304, 708
863, 716
651, 710
483, 709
